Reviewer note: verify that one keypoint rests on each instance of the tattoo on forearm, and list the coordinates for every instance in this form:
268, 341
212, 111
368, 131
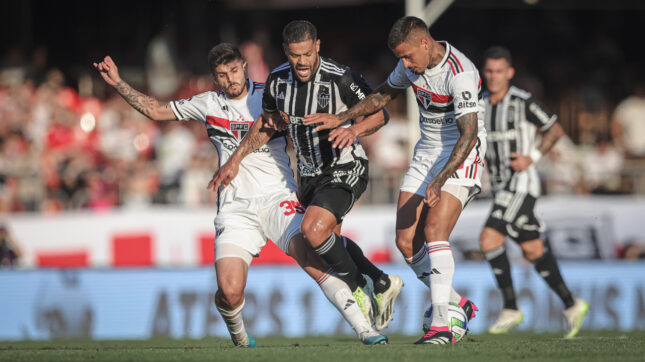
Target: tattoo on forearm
139, 101
467, 125
256, 137
369, 105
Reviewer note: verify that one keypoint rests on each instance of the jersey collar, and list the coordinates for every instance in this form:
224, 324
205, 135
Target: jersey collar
437, 68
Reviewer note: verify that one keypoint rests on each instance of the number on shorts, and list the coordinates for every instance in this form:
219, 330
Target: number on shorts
292, 207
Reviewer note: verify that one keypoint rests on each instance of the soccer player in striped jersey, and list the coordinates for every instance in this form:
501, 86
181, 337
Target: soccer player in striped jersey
445, 170
512, 119
260, 203
333, 172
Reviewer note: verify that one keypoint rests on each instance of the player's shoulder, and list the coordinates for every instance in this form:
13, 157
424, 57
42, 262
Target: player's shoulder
281, 70
255, 87
522, 94
459, 60
332, 67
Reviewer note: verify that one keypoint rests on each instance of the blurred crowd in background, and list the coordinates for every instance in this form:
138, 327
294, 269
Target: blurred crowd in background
68, 144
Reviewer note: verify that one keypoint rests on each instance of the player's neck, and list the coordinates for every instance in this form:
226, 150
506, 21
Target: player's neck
437, 52
498, 96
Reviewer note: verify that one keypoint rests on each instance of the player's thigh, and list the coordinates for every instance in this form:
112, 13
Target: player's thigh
281, 218
442, 218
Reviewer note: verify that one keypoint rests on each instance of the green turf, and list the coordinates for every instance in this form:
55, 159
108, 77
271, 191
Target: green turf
589, 346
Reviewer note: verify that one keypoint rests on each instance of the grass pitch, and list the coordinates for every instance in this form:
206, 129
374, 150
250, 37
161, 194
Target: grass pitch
588, 346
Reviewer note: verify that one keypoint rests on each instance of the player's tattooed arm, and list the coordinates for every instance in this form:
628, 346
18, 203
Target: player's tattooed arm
365, 126
467, 125
368, 106
148, 106
258, 135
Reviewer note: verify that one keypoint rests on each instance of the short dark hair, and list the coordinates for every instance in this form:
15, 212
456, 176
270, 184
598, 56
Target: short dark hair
223, 53
298, 31
402, 29
498, 52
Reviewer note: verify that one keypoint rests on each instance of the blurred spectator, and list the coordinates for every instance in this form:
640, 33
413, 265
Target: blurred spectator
9, 251
633, 251
256, 66
174, 149
602, 167
628, 123
560, 173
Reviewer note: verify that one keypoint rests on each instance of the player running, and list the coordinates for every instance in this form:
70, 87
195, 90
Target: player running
332, 176
260, 204
445, 170
512, 118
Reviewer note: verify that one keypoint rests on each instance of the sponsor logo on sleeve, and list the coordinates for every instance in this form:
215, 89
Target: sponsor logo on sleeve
357, 90
466, 103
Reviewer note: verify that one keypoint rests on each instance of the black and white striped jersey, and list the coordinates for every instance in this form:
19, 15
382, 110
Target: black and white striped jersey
333, 88
511, 125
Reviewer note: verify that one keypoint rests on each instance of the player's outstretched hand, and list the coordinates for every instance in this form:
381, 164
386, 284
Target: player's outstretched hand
108, 70
224, 175
274, 121
342, 137
433, 194
520, 162
322, 121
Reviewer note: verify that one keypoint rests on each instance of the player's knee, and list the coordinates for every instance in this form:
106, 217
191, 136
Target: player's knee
404, 242
435, 230
490, 239
533, 250
314, 232
229, 298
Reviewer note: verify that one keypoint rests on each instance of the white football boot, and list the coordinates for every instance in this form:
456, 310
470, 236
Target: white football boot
507, 320
575, 315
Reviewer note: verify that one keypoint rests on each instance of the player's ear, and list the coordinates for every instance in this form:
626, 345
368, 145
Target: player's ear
285, 49
425, 43
317, 45
511, 73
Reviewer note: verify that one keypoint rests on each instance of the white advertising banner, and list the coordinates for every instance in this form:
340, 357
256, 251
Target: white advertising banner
577, 228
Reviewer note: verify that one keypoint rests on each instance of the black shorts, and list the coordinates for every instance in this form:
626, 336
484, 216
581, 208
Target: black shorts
513, 215
336, 189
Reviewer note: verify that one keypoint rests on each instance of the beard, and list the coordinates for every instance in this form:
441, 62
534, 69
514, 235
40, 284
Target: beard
233, 94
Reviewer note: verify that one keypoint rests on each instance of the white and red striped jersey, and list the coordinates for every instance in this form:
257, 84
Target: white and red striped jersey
227, 121
444, 93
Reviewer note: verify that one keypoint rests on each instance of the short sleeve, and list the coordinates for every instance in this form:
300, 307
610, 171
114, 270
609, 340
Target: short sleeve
269, 103
465, 93
353, 88
537, 114
397, 78
193, 108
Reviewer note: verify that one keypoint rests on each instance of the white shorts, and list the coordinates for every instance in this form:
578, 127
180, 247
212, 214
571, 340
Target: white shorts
425, 166
249, 223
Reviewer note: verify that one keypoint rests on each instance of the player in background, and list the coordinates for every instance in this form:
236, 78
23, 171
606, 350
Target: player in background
260, 204
332, 176
512, 118
445, 170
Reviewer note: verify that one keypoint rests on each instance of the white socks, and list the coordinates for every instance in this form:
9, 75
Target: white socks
341, 297
442, 269
420, 264
235, 324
